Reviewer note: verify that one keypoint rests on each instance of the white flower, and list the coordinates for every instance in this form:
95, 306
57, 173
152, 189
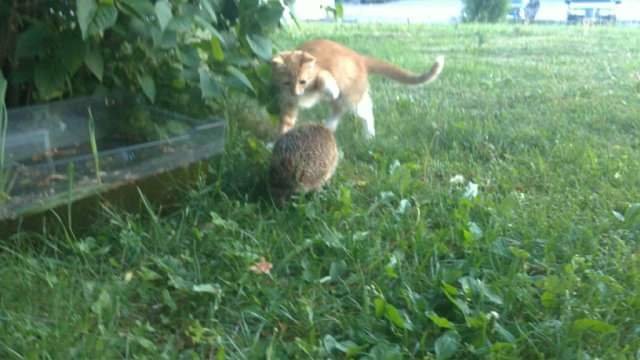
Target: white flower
386, 195
394, 166
493, 315
402, 208
617, 175
471, 191
458, 179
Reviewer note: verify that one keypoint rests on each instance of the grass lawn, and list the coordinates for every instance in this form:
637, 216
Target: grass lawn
392, 260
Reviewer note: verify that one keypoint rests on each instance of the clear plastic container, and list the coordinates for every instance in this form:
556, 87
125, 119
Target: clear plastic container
49, 160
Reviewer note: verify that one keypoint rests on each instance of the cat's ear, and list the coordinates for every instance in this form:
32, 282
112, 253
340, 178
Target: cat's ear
308, 58
277, 60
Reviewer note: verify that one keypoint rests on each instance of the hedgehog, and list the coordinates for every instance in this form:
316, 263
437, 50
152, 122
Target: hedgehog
303, 160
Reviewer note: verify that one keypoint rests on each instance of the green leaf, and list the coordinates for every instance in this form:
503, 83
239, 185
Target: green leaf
3, 87
440, 321
260, 45
216, 49
207, 6
207, 288
385, 351
594, 325
220, 353
447, 345
163, 13
449, 289
240, 76
504, 334
202, 22
94, 62
32, 41
138, 8
168, 300
392, 314
50, 79
85, 10
379, 305
269, 15
472, 286
208, 85
103, 303
148, 86
632, 215
145, 343
71, 51
104, 18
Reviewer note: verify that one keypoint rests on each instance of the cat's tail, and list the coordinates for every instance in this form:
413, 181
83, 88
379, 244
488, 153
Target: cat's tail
393, 72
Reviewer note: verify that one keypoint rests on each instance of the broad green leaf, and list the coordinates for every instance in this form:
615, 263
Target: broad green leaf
240, 76
163, 13
385, 351
168, 300
50, 79
392, 314
594, 325
208, 85
148, 86
94, 62
379, 305
169, 39
268, 16
102, 303
180, 24
260, 45
104, 18
216, 49
32, 42
220, 353
447, 345
71, 51
145, 343
206, 4
214, 32
449, 289
85, 10
138, 8
504, 333
329, 343
440, 321
472, 286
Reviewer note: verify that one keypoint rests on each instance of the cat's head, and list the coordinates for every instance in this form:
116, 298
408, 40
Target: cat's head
294, 71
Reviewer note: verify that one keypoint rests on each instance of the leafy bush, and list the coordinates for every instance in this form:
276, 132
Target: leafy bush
172, 51
485, 10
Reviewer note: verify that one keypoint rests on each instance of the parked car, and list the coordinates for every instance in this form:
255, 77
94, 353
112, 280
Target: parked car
523, 10
599, 11
516, 10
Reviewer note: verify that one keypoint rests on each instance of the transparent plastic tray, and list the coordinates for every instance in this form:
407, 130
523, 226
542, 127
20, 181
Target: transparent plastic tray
49, 160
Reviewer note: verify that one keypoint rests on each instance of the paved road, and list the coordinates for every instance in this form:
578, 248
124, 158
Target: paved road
446, 11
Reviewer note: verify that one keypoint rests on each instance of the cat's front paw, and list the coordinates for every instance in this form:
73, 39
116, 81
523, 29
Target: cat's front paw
334, 91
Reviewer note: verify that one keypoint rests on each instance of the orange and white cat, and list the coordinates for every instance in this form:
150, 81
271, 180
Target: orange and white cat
323, 69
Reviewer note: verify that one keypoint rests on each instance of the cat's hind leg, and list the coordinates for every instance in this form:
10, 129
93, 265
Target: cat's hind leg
364, 110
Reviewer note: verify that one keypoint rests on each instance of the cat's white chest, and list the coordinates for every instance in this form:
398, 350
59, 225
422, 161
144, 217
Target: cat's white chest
308, 100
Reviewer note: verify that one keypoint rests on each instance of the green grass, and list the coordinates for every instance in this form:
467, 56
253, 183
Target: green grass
391, 260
